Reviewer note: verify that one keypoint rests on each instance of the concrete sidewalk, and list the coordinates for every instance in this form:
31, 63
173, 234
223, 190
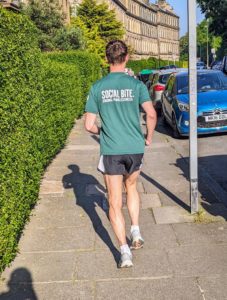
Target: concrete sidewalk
68, 250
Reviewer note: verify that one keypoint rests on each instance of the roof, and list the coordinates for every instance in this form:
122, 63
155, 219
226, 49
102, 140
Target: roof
184, 73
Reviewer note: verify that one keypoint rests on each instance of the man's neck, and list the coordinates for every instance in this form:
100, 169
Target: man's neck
117, 68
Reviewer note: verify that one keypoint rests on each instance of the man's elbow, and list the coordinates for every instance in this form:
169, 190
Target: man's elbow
152, 115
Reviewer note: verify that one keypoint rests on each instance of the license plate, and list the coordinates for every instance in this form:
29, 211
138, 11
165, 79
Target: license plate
216, 118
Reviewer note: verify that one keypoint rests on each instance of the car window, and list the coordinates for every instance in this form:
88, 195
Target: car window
163, 78
205, 82
223, 78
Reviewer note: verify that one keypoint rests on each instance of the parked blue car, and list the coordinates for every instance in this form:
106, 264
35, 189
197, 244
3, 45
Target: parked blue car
212, 102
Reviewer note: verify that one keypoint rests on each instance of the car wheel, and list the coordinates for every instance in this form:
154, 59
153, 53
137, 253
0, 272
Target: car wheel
175, 131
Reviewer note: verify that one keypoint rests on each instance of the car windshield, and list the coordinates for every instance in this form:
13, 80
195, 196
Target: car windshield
163, 78
206, 82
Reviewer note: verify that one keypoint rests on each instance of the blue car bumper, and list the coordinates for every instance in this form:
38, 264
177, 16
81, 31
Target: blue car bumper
183, 126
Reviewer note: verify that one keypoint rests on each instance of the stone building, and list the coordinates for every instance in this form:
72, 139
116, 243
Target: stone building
151, 29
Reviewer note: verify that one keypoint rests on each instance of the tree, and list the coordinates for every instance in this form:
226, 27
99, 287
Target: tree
99, 25
69, 38
184, 47
49, 19
215, 13
202, 38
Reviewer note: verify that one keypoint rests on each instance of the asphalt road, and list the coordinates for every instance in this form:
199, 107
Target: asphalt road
212, 150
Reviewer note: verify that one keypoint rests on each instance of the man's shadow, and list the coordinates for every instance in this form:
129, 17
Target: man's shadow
20, 286
89, 194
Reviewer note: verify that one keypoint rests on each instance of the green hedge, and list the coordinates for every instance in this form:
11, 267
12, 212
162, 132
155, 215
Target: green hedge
40, 98
89, 65
152, 63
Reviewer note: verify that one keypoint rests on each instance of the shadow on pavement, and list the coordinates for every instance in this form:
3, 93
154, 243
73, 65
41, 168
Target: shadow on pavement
79, 182
20, 286
215, 166
165, 191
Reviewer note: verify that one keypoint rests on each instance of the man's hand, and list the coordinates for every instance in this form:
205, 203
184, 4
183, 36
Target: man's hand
148, 142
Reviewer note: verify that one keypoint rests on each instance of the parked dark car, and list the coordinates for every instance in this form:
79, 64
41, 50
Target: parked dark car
212, 102
216, 65
168, 67
200, 65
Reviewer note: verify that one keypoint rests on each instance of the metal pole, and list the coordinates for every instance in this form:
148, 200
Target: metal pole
207, 43
193, 106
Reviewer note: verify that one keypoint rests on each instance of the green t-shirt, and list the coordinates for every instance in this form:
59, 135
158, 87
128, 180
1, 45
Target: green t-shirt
117, 98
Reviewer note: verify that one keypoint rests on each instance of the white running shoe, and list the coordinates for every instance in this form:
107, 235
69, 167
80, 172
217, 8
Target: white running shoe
137, 241
125, 261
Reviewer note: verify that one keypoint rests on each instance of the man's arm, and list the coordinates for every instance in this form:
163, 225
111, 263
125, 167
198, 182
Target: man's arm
90, 125
151, 120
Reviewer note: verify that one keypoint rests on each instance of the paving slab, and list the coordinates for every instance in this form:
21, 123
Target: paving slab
214, 287
51, 187
57, 239
102, 265
76, 217
148, 289
42, 267
171, 215
146, 218
150, 201
189, 234
49, 291
198, 260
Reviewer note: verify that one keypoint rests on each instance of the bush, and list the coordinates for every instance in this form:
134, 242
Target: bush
89, 66
40, 98
20, 90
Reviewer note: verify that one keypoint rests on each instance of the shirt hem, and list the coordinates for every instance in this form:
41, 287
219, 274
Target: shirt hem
122, 152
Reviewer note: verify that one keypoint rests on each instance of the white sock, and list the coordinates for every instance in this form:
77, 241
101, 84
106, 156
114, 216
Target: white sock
135, 228
125, 249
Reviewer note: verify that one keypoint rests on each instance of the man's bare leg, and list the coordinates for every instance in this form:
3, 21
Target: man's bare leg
114, 187
133, 203
133, 200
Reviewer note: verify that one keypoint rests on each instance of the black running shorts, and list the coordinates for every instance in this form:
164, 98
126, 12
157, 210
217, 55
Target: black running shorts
120, 164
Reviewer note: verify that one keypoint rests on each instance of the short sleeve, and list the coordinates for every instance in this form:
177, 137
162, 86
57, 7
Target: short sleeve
143, 94
91, 105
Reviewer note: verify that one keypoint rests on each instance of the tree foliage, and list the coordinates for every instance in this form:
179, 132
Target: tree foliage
202, 38
49, 19
99, 25
215, 13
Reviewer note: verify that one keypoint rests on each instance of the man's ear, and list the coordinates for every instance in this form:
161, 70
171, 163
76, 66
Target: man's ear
127, 58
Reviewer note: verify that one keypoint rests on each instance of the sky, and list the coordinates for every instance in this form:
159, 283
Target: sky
180, 7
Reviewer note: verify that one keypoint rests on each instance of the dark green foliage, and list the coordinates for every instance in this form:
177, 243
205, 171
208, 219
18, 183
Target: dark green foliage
215, 13
152, 63
48, 18
93, 14
99, 26
69, 38
40, 98
20, 90
88, 64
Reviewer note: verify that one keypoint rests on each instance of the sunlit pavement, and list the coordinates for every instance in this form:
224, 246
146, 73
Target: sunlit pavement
68, 250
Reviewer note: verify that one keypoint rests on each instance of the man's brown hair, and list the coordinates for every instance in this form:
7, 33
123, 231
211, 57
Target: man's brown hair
116, 52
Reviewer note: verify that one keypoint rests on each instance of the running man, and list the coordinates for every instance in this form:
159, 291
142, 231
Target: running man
117, 99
